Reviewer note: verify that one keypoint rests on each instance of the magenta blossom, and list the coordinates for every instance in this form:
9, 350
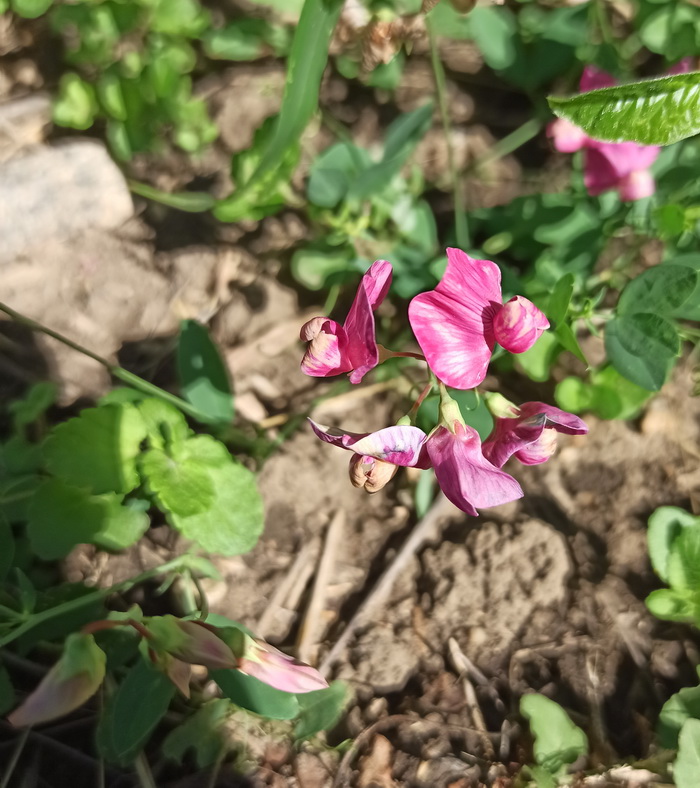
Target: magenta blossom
623, 166
458, 323
466, 477
333, 349
529, 433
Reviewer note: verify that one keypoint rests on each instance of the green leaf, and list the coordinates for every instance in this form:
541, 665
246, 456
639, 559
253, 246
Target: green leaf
312, 267
559, 300
678, 708
320, 710
234, 522
30, 9
165, 424
537, 362
7, 549
61, 516
662, 290
132, 713
19, 456
670, 605
642, 347
202, 732
189, 202
652, 112
243, 39
558, 742
98, 449
39, 398
7, 691
665, 525
495, 33
204, 378
683, 564
687, 766
332, 171
76, 104
305, 66
251, 694
15, 496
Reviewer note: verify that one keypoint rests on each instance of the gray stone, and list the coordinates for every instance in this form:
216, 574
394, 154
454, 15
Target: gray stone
53, 193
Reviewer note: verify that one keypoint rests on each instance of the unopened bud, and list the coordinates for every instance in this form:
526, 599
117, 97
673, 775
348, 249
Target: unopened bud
370, 473
71, 681
518, 325
190, 641
499, 406
276, 669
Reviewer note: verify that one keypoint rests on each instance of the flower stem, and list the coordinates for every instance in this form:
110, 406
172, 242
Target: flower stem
461, 223
34, 620
17, 752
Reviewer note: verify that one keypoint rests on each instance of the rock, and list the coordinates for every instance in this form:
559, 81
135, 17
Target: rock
52, 193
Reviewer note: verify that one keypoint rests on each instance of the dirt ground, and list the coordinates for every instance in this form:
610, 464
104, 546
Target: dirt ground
545, 594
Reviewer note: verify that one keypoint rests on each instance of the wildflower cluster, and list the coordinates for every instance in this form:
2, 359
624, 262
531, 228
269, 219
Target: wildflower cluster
457, 326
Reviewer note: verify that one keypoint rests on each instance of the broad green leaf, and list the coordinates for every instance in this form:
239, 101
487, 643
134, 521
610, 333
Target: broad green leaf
98, 449
233, 523
179, 17
76, 104
7, 691
537, 362
683, 563
204, 379
653, 112
305, 66
331, 173
16, 494
672, 30
39, 398
687, 766
243, 39
19, 456
665, 525
642, 347
567, 339
132, 713
662, 290
251, 694
670, 605
678, 708
30, 9
690, 309
201, 732
558, 741
320, 710
165, 424
495, 33
560, 299
312, 267
62, 516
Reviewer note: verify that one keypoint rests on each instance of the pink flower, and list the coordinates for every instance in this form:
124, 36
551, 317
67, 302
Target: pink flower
623, 166
466, 477
370, 474
458, 323
529, 433
276, 669
333, 349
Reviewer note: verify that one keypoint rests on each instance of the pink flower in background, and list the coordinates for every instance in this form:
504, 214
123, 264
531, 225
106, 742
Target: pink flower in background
466, 477
623, 166
458, 323
529, 433
333, 349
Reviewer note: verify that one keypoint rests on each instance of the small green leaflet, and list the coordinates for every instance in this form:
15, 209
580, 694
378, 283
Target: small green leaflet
653, 112
558, 741
687, 766
678, 708
249, 693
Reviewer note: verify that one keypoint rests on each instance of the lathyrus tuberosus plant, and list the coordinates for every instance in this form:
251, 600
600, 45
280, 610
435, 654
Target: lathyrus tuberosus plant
457, 326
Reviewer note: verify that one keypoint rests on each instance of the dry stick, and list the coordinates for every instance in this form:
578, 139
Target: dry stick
289, 591
310, 630
457, 656
382, 588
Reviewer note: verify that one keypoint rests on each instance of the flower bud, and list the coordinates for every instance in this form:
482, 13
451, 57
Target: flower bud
518, 325
71, 681
370, 473
190, 641
499, 406
637, 185
278, 670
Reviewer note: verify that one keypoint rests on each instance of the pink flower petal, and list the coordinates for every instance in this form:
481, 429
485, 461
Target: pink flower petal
637, 185
466, 477
518, 325
377, 281
511, 435
566, 137
540, 450
454, 323
395, 445
594, 79
326, 354
562, 421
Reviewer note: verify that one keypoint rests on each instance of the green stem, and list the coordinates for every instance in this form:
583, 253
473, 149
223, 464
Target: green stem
511, 142
143, 771
461, 223
95, 596
17, 752
114, 369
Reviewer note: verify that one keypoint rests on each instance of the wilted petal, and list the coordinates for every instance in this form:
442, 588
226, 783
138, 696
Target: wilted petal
466, 477
75, 678
370, 473
637, 185
566, 137
511, 435
396, 445
454, 323
327, 351
178, 672
276, 669
518, 325
562, 421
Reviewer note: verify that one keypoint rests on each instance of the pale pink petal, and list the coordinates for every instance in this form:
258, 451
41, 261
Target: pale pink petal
511, 435
454, 323
538, 451
362, 351
466, 477
518, 325
277, 669
327, 351
637, 185
594, 79
626, 157
566, 137
562, 421
398, 445
377, 281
